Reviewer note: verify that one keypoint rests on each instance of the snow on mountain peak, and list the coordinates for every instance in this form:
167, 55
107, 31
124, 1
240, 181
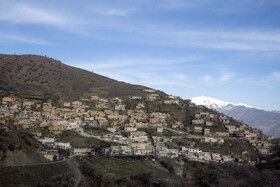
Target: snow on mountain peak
209, 102
214, 103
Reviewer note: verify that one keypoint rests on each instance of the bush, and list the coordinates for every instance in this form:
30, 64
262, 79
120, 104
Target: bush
11, 147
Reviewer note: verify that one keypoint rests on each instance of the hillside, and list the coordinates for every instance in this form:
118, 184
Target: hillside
43, 76
267, 121
18, 147
107, 135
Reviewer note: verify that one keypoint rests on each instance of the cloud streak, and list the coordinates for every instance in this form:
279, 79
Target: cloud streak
25, 13
23, 39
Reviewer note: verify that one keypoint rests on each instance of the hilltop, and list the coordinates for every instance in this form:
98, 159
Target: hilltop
42, 76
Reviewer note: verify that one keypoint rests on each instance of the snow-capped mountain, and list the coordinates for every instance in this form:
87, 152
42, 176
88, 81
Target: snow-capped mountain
267, 121
214, 103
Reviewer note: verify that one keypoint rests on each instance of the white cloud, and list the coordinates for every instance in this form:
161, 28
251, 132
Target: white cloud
207, 78
271, 80
23, 39
226, 76
113, 11
25, 13
244, 40
93, 19
181, 77
129, 62
143, 71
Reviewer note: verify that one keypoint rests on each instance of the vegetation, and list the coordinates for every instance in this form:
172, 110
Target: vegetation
79, 141
230, 147
18, 147
113, 169
40, 77
59, 174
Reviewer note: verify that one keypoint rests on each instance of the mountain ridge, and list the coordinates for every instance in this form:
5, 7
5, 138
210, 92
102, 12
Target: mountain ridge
267, 121
40, 75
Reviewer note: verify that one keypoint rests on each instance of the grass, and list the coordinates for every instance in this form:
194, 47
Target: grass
78, 140
34, 175
115, 168
170, 133
230, 147
95, 131
46, 133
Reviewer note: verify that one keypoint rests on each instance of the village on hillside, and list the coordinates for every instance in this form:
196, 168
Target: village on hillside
133, 130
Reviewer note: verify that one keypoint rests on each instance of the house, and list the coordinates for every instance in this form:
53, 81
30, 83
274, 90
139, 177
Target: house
237, 135
136, 97
209, 123
141, 125
157, 138
185, 149
227, 158
177, 124
149, 90
204, 156
118, 150
221, 134
216, 157
206, 131
138, 136
46, 140
197, 129
160, 129
130, 128
116, 100
197, 121
263, 151
173, 97
232, 128
213, 140
9, 99
140, 106
94, 98
63, 145
151, 98
111, 129
66, 104
226, 121
51, 154
83, 151
120, 107
212, 116
76, 104
159, 115
192, 150
37, 134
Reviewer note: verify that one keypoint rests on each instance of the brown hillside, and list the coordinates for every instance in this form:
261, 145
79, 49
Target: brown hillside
39, 75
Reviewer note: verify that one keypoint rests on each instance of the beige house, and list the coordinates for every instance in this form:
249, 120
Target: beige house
213, 140
209, 123
197, 121
197, 129
206, 131
232, 128
140, 106
83, 151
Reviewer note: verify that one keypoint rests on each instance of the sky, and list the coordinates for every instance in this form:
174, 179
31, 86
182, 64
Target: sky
225, 49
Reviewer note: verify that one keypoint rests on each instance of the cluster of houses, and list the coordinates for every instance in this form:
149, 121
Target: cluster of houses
204, 120
124, 126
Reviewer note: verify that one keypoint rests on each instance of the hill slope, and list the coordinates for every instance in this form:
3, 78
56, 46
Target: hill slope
267, 121
38, 75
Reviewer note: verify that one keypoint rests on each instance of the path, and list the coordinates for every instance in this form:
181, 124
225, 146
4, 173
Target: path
77, 171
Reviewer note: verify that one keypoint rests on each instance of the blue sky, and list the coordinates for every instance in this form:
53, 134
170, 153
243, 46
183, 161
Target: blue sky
229, 49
